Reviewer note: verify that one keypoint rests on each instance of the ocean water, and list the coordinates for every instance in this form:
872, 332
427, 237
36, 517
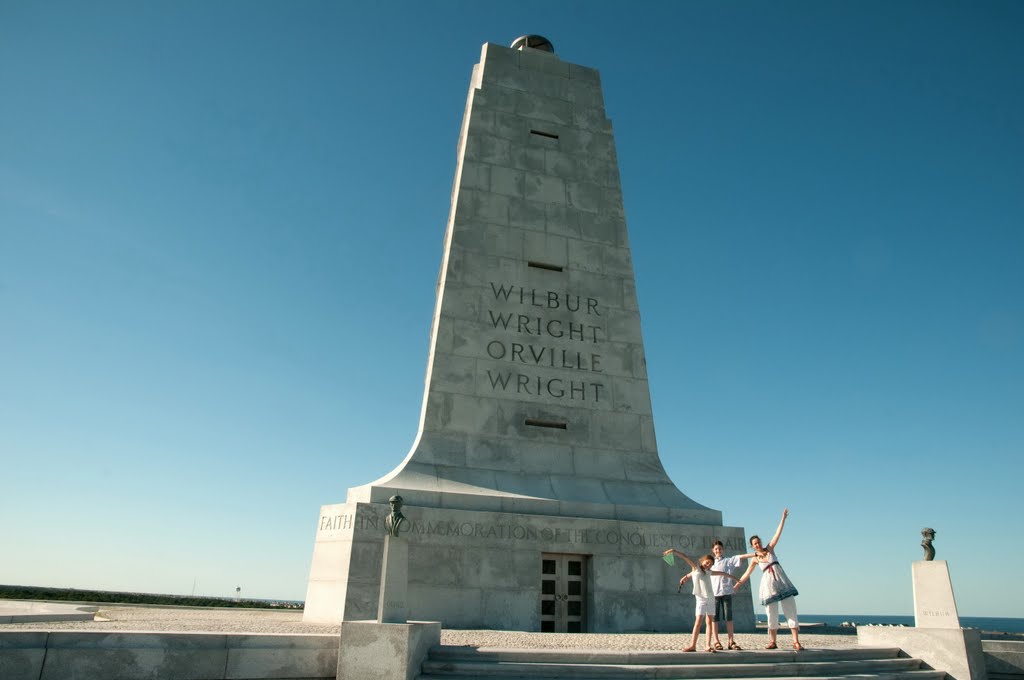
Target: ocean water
991, 624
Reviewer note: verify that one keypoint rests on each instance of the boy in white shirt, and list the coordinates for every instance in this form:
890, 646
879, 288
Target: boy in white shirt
724, 591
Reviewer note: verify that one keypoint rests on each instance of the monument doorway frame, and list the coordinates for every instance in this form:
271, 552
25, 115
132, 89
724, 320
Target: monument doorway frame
563, 592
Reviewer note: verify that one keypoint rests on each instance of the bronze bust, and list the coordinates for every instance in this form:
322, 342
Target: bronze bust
929, 536
393, 522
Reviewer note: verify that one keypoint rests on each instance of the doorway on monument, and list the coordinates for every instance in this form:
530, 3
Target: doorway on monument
563, 593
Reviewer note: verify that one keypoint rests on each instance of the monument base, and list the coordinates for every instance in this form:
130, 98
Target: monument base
385, 651
955, 651
513, 571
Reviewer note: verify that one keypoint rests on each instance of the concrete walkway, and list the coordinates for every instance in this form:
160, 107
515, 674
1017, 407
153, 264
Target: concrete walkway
31, 612
187, 619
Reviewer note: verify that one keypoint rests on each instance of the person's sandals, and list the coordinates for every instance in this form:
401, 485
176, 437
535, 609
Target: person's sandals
771, 646
718, 646
710, 650
733, 645
689, 649
797, 646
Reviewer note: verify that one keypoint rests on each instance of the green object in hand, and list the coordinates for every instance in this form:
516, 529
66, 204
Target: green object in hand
669, 558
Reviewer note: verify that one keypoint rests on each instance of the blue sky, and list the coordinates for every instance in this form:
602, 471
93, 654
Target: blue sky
221, 225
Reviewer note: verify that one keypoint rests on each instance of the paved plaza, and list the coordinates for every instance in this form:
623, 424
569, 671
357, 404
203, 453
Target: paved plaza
194, 620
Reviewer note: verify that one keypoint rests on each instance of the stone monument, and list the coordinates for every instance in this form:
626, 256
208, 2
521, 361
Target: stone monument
541, 503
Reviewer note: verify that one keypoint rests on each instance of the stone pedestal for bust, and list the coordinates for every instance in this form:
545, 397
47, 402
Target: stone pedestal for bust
934, 604
937, 638
394, 581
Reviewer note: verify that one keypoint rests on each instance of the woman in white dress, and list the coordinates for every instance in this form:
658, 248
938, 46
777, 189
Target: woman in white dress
776, 589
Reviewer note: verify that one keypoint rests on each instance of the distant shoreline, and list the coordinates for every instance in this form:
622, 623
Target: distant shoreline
77, 596
994, 626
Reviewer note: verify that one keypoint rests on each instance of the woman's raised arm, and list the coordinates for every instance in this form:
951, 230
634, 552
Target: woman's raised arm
778, 532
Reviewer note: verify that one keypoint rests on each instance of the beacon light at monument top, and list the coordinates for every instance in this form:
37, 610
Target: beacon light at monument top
534, 495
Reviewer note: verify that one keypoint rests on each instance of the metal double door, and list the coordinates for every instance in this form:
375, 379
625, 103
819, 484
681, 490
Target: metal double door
563, 593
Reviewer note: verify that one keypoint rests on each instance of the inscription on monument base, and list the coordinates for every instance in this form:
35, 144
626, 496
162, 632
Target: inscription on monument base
632, 537
463, 564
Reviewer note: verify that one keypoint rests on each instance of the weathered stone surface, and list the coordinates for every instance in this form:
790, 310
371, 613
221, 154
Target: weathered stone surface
165, 656
385, 651
127, 656
279, 656
21, 654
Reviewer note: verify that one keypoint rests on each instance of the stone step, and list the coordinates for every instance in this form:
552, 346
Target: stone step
906, 675
455, 653
857, 663
725, 670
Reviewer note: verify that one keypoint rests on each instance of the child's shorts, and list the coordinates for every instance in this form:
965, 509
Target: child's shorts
705, 605
723, 608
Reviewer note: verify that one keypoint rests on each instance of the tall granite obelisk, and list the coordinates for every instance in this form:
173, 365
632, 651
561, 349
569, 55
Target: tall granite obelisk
536, 497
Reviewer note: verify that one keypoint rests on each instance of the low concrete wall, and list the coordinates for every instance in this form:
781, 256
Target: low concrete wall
1004, 659
58, 655
385, 651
